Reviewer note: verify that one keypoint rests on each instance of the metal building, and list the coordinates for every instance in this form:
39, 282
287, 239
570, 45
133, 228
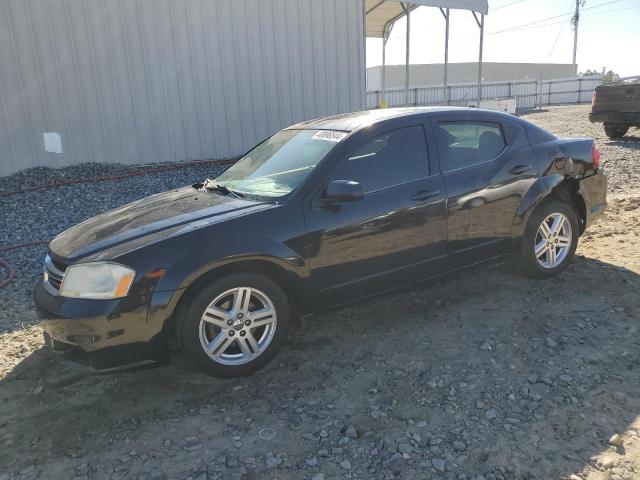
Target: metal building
144, 81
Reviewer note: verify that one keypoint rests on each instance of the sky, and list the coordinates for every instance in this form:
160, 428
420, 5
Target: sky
608, 35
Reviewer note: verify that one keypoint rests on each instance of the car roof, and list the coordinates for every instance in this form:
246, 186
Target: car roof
349, 122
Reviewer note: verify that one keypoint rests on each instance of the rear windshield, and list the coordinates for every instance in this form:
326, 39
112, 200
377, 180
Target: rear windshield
536, 134
281, 163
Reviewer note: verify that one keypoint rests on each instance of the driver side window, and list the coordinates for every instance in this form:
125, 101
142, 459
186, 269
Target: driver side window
386, 160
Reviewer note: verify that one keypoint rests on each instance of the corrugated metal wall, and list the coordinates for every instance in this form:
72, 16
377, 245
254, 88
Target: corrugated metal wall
142, 81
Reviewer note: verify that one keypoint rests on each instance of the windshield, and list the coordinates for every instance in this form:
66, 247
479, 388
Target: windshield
281, 163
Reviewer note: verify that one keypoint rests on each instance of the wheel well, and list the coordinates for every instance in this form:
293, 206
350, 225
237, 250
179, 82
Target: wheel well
568, 191
261, 267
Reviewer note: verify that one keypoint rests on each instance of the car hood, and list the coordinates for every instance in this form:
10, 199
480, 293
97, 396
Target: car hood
147, 217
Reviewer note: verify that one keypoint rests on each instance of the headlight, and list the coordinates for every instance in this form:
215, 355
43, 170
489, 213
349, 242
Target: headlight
99, 280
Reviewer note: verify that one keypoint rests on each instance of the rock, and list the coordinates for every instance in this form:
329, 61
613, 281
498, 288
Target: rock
167, 443
324, 433
486, 346
619, 396
82, 469
192, 444
346, 465
272, 462
439, 464
266, 433
405, 448
551, 343
351, 433
565, 378
311, 462
532, 379
459, 446
318, 476
616, 440
394, 460
491, 414
608, 462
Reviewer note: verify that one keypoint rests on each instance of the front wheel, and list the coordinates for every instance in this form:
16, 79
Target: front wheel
235, 325
550, 239
615, 132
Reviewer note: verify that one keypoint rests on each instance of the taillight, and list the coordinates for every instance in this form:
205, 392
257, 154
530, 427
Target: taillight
596, 157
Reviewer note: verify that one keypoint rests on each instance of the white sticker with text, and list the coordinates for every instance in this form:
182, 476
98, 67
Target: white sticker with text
330, 135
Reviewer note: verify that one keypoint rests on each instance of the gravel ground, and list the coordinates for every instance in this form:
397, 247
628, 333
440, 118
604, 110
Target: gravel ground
487, 376
42, 215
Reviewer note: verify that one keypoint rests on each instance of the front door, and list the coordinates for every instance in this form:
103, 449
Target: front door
394, 235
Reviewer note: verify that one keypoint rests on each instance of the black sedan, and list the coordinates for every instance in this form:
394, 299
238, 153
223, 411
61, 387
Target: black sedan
319, 215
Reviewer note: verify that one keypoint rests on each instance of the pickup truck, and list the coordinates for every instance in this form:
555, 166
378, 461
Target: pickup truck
617, 106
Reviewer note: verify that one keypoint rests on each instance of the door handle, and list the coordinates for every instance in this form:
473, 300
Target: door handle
423, 195
520, 169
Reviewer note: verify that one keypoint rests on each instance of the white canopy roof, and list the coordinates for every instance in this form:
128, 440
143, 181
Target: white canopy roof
382, 13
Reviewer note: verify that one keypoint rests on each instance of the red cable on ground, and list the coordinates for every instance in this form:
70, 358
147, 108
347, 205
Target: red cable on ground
107, 178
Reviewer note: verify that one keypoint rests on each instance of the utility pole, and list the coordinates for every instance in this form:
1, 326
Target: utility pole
574, 21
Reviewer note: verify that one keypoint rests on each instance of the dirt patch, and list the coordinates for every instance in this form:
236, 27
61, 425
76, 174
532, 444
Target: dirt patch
488, 375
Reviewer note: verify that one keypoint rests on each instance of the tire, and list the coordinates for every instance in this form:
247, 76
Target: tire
615, 132
221, 320
545, 265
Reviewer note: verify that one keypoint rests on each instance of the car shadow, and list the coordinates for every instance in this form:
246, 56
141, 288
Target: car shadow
628, 141
496, 374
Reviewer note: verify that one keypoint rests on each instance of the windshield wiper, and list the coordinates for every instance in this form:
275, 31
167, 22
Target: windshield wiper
219, 187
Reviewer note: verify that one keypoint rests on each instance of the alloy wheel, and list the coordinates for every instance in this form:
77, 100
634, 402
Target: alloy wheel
553, 240
237, 326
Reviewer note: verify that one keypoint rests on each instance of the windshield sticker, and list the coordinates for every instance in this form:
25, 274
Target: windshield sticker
330, 135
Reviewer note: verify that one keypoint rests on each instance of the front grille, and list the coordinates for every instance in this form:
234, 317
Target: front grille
54, 272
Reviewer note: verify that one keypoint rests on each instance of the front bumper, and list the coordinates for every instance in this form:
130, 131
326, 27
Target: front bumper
100, 335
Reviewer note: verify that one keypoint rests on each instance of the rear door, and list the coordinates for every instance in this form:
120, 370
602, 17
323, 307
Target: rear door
395, 234
488, 165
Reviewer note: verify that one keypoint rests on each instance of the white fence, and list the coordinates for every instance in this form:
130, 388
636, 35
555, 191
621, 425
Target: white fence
529, 94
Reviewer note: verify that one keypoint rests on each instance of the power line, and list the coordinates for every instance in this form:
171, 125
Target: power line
560, 30
473, 37
522, 27
506, 5
564, 24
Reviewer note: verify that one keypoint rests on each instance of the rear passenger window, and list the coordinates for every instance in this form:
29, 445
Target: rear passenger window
393, 158
469, 143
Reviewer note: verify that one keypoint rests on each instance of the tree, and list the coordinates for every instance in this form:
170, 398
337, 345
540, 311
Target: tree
611, 77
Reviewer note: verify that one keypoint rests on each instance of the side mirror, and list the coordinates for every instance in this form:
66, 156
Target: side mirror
343, 191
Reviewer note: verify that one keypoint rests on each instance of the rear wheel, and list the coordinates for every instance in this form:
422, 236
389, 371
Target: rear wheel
235, 325
615, 132
550, 239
